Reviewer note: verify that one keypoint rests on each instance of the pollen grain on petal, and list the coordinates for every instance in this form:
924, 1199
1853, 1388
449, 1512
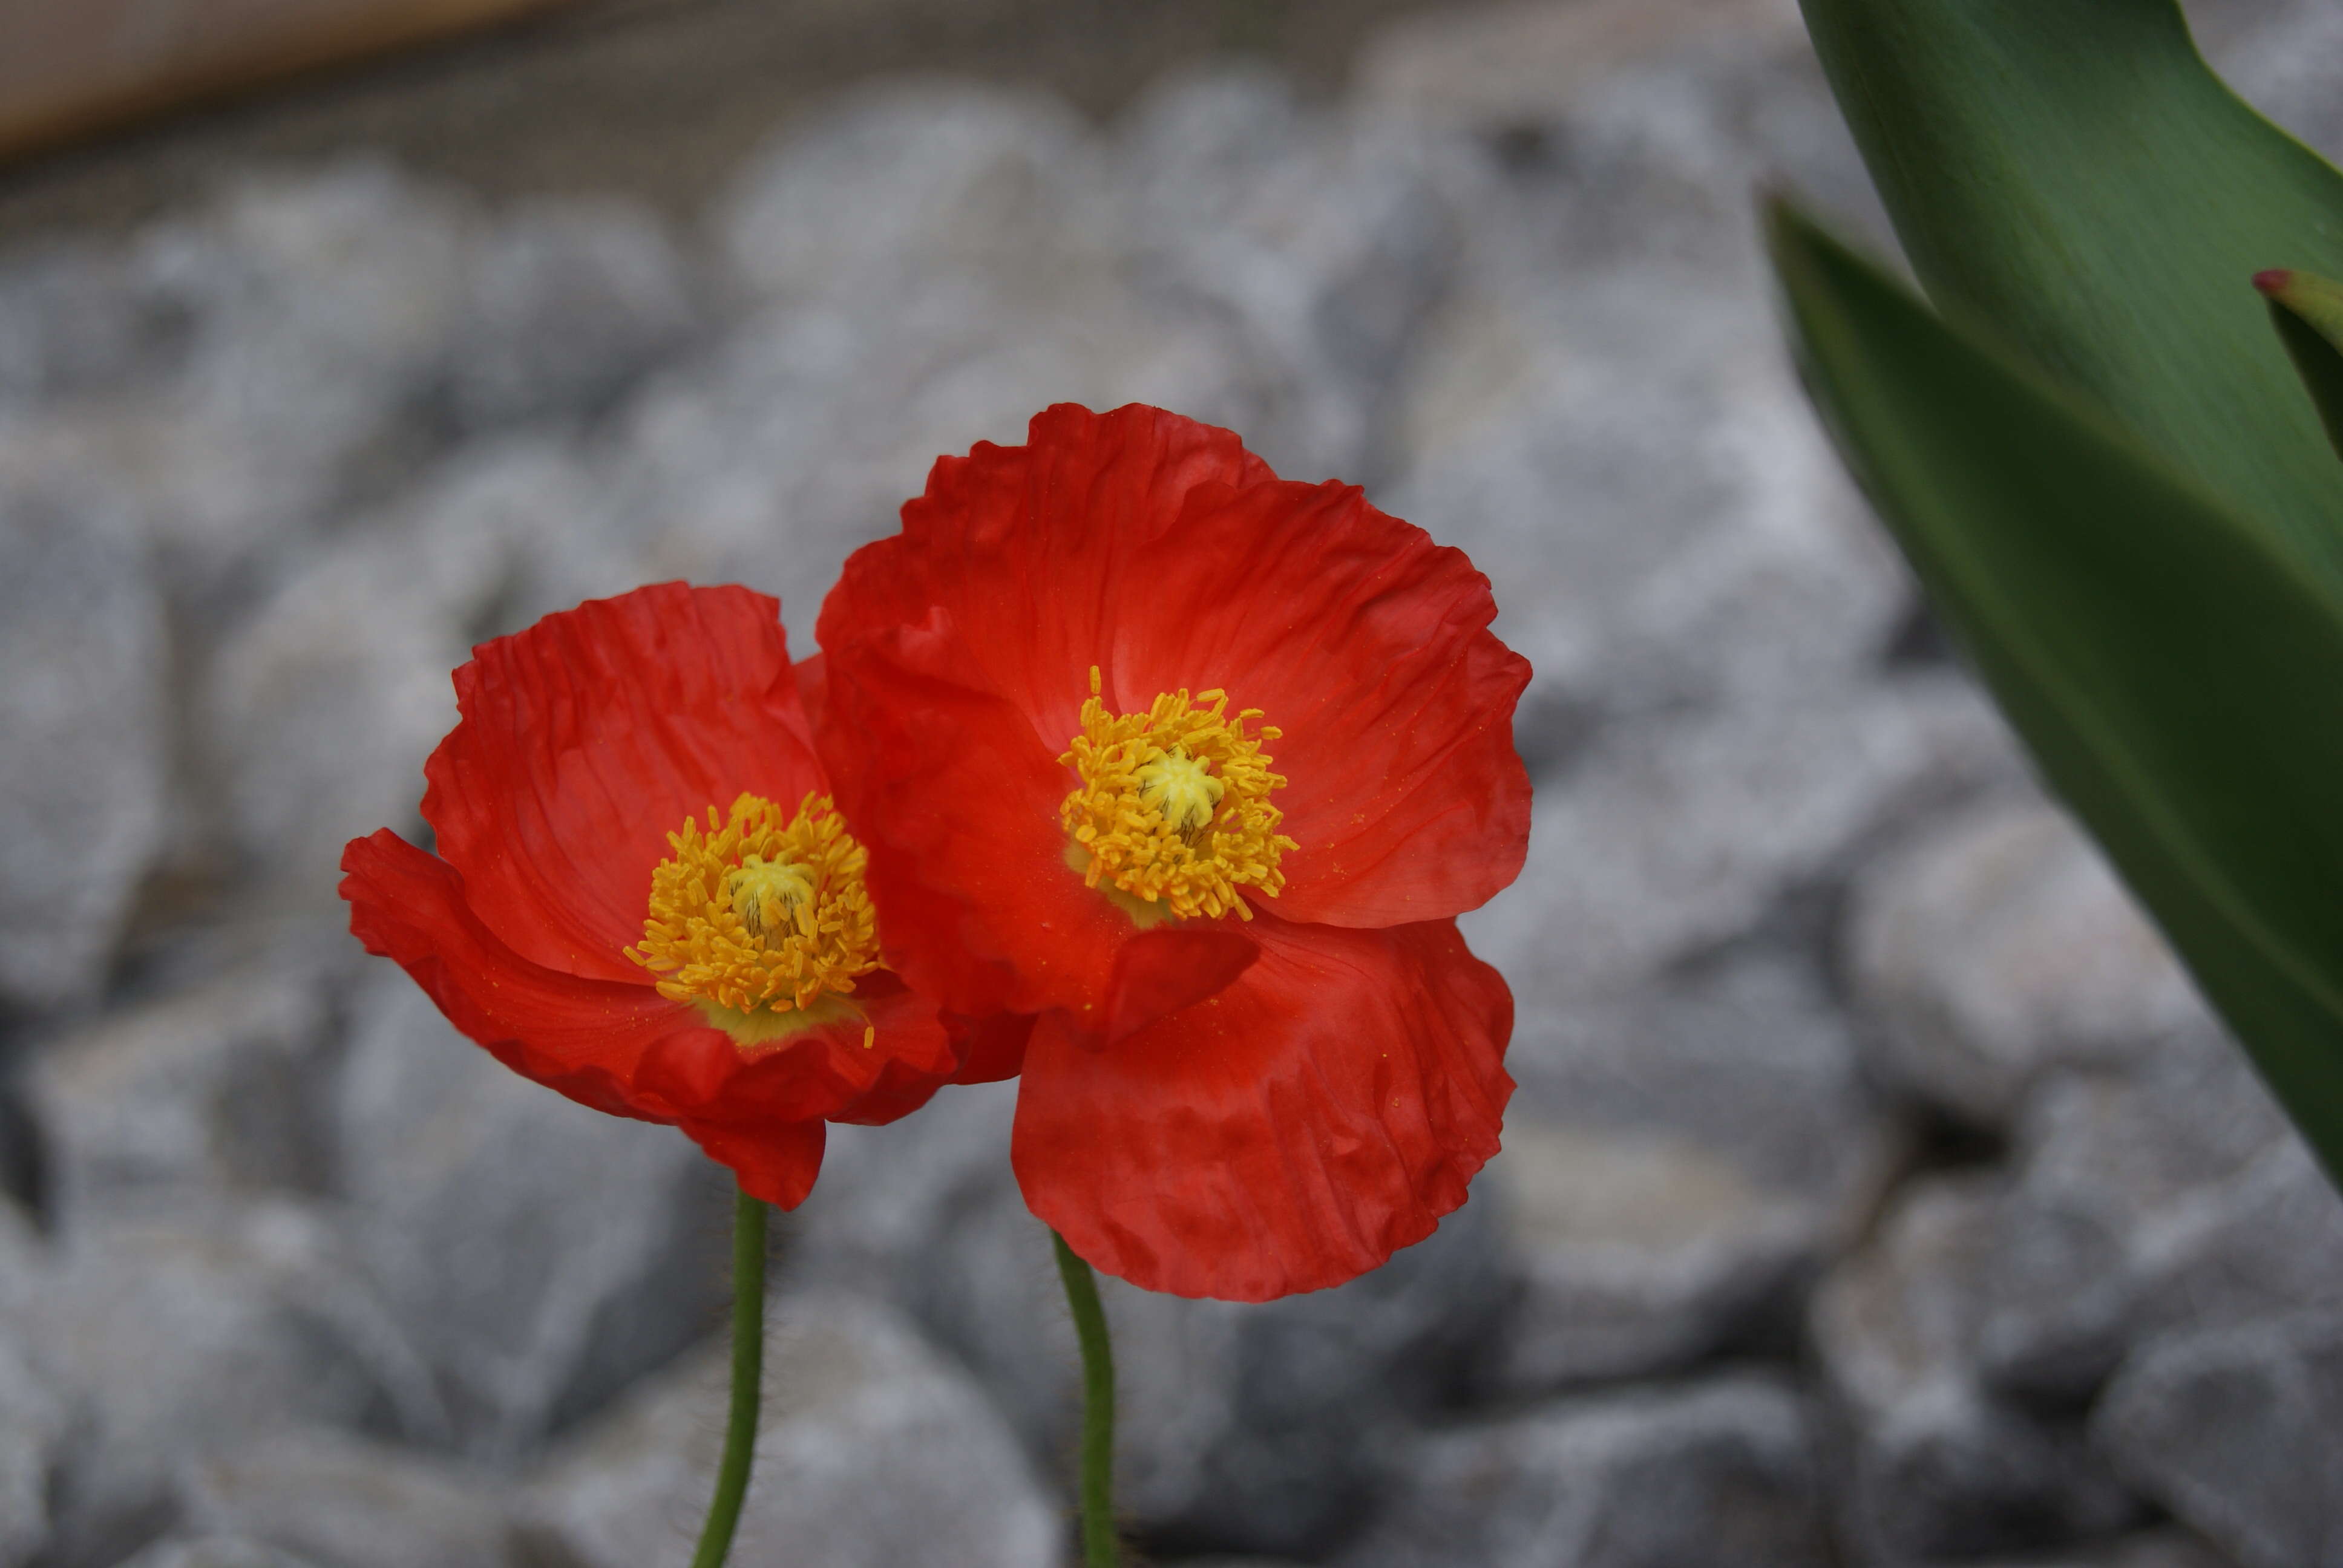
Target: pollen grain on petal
762, 910
1173, 804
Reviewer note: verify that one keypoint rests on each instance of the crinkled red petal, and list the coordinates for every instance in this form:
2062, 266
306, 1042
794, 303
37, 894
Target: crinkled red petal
1288, 1134
586, 739
583, 1037
813, 690
1369, 647
622, 1048
955, 799
776, 1163
992, 1047
823, 1070
1157, 972
1027, 548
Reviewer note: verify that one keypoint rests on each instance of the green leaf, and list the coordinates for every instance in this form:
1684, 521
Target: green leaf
2068, 175
2309, 313
2177, 674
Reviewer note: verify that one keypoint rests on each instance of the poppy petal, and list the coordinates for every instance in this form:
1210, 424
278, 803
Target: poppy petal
1026, 545
582, 1037
992, 1047
1157, 972
1369, 647
955, 799
776, 1164
587, 738
813, 690
871, 1057
1288, 1134
919, 1053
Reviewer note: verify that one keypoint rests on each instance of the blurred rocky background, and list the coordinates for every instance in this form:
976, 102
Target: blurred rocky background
1878, 1192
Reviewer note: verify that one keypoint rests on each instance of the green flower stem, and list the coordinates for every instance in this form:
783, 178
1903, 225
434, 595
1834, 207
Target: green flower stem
1100, 1547
748, 1381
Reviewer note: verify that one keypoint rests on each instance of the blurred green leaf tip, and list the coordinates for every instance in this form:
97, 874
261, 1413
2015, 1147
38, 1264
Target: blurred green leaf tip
2307, 311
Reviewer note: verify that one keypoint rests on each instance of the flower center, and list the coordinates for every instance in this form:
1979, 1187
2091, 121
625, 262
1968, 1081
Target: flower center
1181, 790
762, 910
1173, 805
772, 899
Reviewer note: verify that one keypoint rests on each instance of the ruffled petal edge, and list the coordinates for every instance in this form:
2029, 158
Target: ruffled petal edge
1286, 1135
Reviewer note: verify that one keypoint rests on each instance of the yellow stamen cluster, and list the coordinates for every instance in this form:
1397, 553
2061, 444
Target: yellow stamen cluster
762, 910
1173, 805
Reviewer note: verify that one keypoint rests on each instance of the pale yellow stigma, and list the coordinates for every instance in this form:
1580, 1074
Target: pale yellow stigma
772, 899
1173, 805
1176, 787
760, 911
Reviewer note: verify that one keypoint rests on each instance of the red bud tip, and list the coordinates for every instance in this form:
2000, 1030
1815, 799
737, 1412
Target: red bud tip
2274, 281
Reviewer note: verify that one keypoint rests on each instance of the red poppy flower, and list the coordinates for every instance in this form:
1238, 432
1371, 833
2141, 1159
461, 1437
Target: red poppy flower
1193, 766
643, 898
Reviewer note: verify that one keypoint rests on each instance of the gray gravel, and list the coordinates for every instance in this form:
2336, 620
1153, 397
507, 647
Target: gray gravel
873, 1452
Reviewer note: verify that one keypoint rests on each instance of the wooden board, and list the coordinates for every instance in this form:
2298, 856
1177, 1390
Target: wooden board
71, 67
